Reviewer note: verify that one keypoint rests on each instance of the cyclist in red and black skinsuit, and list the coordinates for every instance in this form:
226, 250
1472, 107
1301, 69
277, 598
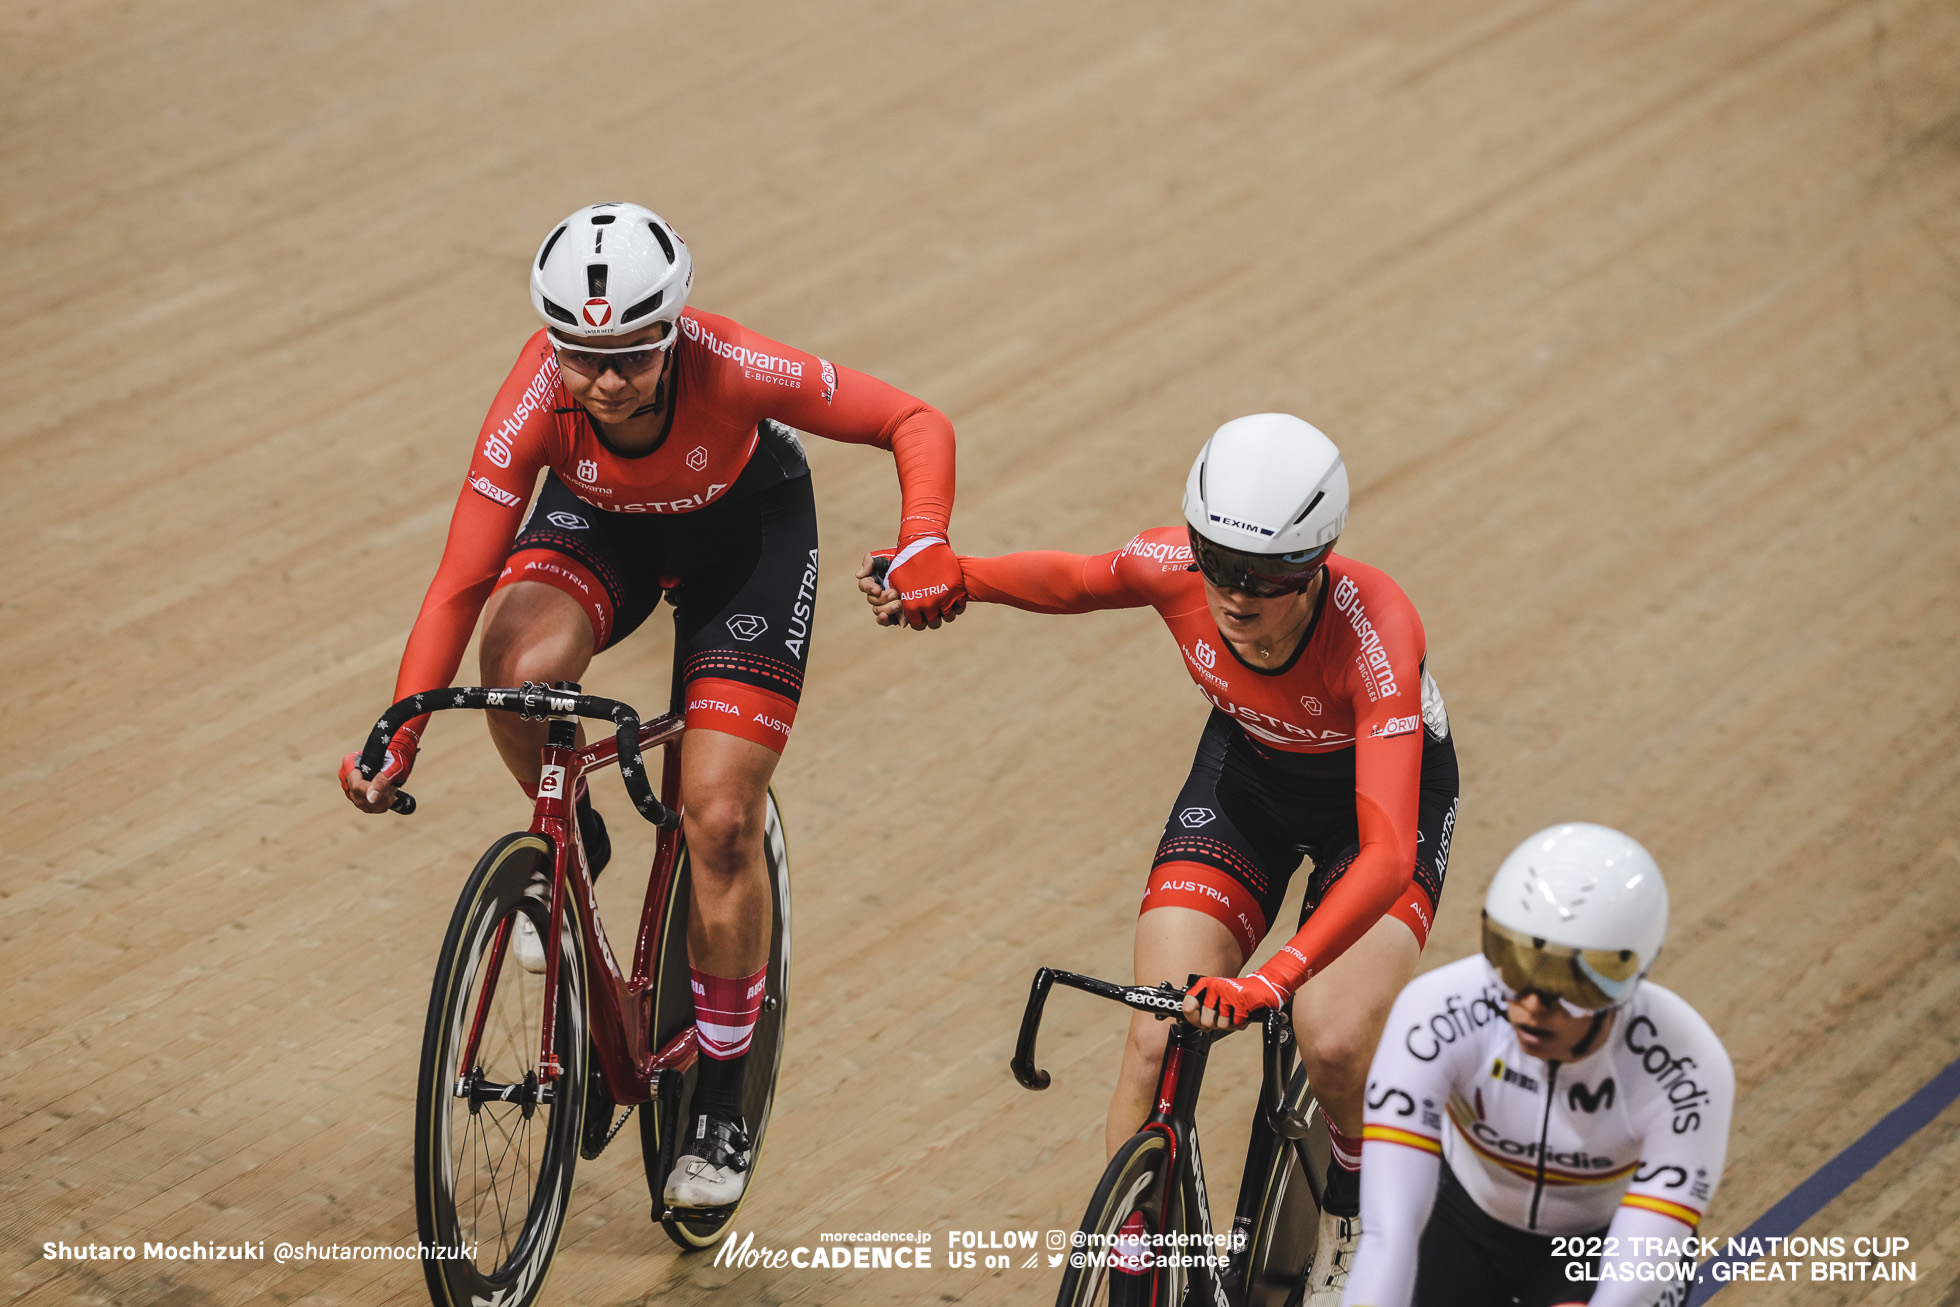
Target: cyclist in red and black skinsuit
1327, 738
669, 468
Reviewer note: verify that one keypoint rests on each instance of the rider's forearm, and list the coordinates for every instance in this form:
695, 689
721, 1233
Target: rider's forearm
922, 446
1638, 1238
1046, 581
1396, 1197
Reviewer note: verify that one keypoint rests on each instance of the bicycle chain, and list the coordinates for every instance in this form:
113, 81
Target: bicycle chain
617, 1125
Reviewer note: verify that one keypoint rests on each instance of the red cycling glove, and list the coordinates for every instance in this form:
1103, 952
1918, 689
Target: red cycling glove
926, 573
1237, 1000
396, 763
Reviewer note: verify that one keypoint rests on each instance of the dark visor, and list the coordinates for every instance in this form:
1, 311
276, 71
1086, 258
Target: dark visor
1259, 575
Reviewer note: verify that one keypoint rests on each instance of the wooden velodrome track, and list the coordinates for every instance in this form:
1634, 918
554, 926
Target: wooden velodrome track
1637, 324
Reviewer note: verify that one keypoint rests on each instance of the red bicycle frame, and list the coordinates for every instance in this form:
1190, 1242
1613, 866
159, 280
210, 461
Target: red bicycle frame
622, 1005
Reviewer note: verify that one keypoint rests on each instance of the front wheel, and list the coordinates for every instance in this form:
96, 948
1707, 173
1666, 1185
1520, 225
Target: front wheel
1287, 1218
494, 1147
1136, 1181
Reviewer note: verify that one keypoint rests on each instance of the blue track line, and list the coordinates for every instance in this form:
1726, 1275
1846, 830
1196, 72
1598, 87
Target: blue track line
1840, 1173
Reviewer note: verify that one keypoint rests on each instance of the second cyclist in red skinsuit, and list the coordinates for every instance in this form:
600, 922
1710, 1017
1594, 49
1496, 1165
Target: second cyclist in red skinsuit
1354, 686
1326, 740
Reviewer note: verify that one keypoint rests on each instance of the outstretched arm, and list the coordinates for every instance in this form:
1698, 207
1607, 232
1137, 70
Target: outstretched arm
1040, 581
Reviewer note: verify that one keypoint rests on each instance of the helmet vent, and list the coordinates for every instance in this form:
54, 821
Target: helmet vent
666, 246
601, 219
595, 280
545, 253
558, 313
644, 307
1318, 495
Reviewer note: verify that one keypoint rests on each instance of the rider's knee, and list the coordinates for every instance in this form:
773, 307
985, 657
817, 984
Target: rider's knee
721, 829
1146, 1047
533, 637
1337, 1048
533, 661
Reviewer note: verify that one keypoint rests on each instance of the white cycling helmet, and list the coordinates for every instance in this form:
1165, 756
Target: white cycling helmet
1265, 501
1577, 913
611, 269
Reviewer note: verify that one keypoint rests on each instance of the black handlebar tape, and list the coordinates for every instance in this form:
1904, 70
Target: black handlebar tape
1025, 1071
1162, 1002
404, 803
633, 770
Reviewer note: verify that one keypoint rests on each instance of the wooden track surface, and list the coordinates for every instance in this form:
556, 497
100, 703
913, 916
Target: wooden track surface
1637, 324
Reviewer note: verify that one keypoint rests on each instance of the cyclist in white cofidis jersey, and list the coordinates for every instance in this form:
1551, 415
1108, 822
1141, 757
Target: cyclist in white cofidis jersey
1542, 1127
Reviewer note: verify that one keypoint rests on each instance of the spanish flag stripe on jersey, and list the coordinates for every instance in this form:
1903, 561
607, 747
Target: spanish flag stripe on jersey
1529, 1170
1388, 1134
1688, 1216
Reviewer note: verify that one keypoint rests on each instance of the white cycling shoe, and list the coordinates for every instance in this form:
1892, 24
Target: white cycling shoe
528, 945
712, 1169
1333, 1254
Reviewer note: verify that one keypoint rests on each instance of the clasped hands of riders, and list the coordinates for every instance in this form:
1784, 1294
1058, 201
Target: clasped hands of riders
1214, 1002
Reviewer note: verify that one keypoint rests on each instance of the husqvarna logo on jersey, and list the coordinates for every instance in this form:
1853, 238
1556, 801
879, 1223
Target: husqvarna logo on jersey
746, 626
1371, 659
588, 469
1205, 654
598, 312
697, 458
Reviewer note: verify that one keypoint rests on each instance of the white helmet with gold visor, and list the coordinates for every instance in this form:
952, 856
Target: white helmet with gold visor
1577, 913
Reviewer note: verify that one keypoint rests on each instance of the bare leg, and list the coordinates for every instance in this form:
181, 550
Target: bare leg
724, 781
1339, 1015
1171, 944
531, 632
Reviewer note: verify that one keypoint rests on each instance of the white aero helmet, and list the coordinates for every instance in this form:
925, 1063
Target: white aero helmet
1577, 913
611, 269
1265, 501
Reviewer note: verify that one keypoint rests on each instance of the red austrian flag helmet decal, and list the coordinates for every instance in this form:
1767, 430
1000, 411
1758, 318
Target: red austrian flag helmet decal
598, 312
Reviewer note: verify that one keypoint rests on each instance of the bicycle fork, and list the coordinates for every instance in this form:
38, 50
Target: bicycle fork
1175, 1116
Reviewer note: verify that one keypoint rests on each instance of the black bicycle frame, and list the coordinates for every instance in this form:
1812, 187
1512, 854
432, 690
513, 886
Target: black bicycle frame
1174, 1113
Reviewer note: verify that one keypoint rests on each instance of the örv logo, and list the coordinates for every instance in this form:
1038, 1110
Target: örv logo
598, 312
746, 626
1206, 655
569, 521
1192, 818
588, 469
697, 458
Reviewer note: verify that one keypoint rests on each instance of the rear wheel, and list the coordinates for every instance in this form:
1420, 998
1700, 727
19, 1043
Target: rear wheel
674, 1013
1135, 1181
495, 1148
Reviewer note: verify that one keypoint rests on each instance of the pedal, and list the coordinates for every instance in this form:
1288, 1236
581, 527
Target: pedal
695, 1213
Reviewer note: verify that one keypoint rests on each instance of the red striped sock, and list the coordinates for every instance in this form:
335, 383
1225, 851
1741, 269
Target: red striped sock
725, 1011
1346, 1149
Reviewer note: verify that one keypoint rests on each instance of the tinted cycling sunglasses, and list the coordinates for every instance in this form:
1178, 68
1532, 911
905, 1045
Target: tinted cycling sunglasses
1583, 981
631, 363
1263, 576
